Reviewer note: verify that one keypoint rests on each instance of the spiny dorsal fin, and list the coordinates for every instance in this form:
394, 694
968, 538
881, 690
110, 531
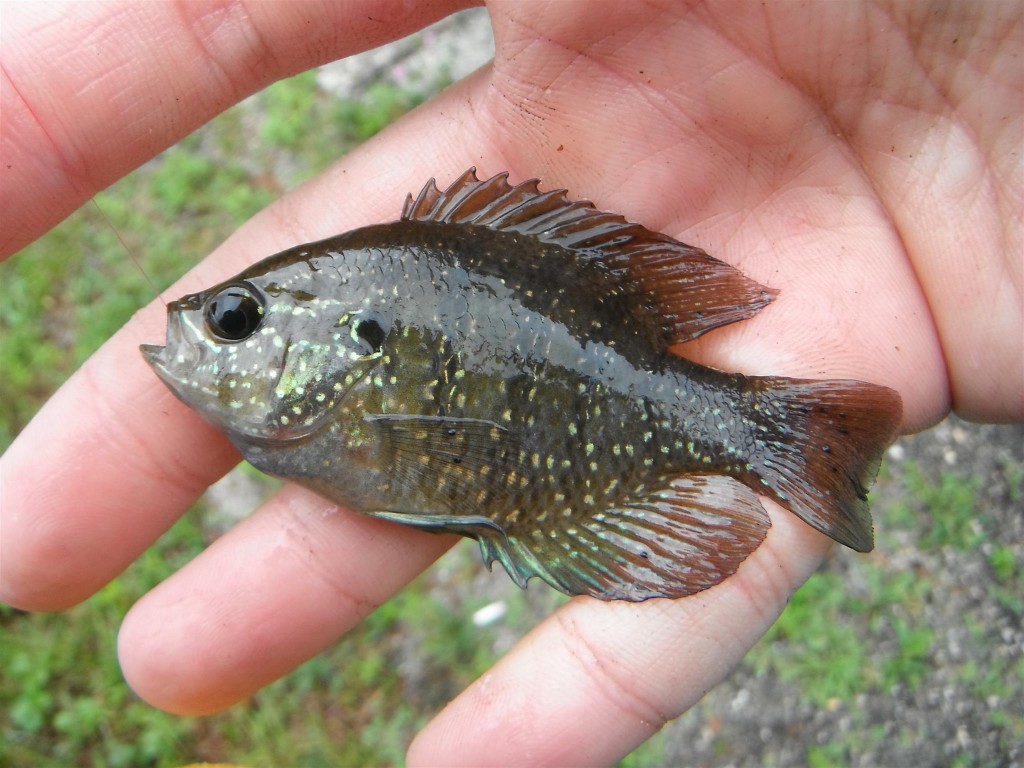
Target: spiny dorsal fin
679, 288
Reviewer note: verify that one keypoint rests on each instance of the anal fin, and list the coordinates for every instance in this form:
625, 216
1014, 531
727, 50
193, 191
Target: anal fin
680, 539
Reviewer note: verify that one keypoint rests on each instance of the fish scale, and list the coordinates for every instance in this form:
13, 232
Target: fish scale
496, 364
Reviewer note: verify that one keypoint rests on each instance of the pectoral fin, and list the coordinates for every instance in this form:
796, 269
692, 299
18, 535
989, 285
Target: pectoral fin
456, 456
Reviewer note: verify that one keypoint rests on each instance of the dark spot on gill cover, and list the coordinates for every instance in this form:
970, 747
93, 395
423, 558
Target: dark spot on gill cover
371, 332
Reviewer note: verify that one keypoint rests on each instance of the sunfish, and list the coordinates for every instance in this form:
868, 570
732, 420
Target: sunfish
497, 364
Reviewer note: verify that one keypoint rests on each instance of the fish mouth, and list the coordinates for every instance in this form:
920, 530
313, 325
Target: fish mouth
172, 361
153, 353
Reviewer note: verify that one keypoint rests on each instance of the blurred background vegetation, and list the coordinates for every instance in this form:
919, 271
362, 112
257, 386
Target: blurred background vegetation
863, 662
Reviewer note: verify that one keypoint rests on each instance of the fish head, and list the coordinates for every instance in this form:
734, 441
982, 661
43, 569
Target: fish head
265, 362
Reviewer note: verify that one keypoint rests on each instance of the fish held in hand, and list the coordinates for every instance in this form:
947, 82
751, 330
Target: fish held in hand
496, 364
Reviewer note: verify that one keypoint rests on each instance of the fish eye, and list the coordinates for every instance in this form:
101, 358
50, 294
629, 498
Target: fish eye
233, 313
369, 330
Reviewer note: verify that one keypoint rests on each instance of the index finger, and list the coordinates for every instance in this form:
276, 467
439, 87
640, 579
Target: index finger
91, 91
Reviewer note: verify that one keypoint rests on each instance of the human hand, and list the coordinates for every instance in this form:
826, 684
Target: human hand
855, 191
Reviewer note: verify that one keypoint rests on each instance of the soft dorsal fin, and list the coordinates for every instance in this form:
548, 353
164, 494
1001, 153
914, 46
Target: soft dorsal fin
679, 288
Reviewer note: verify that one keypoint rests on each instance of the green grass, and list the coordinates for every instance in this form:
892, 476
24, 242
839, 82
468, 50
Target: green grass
62, 701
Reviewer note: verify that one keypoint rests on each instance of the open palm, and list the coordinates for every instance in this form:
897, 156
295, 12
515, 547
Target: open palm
861, 159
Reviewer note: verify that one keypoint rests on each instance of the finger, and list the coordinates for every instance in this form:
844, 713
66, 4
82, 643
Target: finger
930, 127
102, 470
113, 458
597, 679
268, 595
89, 91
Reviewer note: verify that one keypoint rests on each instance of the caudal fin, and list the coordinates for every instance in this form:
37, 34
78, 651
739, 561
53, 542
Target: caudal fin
818, 446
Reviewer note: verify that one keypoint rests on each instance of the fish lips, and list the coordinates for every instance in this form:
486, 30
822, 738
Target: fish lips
155, 355
173, 362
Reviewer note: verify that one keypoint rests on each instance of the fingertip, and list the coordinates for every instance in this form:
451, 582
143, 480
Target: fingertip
268, 595
42, 563
154, 639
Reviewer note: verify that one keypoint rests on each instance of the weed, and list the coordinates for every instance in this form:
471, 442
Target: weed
1009, 574
814, 644
911, 664
1014, 474
830, 755
949, 508
367, 116
650, 753
290, 108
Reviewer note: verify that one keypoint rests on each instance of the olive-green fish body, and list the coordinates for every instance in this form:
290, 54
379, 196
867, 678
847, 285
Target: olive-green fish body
496, 364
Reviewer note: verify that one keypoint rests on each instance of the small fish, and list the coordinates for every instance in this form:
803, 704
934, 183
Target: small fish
496, 364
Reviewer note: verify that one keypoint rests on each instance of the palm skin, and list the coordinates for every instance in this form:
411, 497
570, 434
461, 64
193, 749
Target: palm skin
864, 160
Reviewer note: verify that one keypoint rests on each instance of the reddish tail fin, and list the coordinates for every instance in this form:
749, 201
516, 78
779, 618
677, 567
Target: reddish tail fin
818, 448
